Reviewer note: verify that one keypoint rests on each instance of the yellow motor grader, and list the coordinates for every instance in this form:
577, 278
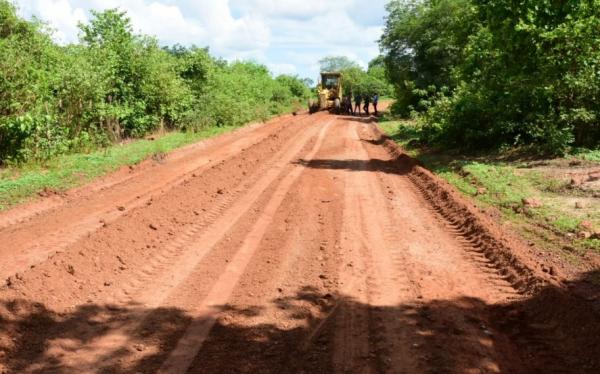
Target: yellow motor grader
329, 91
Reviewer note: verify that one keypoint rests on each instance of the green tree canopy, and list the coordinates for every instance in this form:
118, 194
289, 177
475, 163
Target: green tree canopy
115, 84
491, 73
337, 63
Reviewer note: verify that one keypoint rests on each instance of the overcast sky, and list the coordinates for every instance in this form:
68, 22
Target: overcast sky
289, 36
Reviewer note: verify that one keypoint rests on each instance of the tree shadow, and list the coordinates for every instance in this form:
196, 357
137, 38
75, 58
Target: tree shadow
555, 331
361, 119
385, 166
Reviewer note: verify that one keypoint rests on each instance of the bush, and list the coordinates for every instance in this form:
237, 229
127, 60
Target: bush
514, 74
116, 84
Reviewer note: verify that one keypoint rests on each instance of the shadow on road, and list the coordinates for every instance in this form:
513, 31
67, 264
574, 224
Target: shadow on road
553, 331
386, 166
362, 118
402, 164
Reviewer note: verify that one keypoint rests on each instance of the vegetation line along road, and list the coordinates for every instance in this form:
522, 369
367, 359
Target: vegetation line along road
67, 171
501, 99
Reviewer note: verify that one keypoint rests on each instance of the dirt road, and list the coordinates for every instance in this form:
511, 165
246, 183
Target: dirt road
307, 244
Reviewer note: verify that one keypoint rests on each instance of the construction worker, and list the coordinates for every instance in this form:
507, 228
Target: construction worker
367, 102
375, 102
348, 104
357, 102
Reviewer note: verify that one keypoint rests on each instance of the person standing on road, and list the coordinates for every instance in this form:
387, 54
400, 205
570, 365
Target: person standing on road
357, 102
375, 102
367, 102
348, 104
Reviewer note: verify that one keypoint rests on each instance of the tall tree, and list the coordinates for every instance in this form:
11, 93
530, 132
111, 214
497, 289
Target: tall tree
337, 63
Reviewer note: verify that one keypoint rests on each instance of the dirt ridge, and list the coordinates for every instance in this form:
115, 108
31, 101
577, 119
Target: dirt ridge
508, 252
542, 321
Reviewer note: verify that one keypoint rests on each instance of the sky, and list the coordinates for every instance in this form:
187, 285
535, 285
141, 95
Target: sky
289, 36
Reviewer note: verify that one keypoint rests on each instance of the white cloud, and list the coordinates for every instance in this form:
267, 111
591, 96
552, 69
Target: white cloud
278, 69
289, 36
165, 21
62, 16
301, 9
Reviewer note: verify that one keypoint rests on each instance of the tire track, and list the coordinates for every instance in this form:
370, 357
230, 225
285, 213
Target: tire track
204, 316
152, 284
430, 270
350, 341
388, 281
35, 241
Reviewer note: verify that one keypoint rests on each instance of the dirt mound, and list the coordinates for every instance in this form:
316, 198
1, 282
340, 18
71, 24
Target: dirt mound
560, 319
508, 252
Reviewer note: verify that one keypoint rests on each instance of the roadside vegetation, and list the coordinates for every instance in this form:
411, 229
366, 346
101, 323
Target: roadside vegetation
552, 202
501, 99
486, 75
115, 84
66, 111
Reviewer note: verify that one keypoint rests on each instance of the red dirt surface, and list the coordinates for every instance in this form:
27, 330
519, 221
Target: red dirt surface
308, 244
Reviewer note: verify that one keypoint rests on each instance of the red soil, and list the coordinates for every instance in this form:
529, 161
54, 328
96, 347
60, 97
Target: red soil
307, 244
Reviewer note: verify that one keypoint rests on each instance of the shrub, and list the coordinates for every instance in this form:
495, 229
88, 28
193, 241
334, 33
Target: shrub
115, 83
515, 73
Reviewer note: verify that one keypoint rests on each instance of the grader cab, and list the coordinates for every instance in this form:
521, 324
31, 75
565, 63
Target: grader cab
329, 91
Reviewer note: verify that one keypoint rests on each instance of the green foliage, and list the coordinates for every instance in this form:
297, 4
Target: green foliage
337, 64
67, 171
377, 73
294, 85
423, 42
492, 179
116, 84
485, 74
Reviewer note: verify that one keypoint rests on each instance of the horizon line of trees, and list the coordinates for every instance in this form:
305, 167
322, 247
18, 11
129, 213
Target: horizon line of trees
116, 84
482, 74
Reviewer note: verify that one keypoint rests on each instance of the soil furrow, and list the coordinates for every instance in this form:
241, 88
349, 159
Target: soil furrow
93, 207
204, 316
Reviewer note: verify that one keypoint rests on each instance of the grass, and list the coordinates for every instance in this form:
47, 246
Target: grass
20, 183
494, 180
587, 154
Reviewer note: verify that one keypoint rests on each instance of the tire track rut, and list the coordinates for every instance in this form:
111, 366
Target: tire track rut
49, 231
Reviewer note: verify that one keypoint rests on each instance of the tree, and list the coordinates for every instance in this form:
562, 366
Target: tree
378, 73
337, 63
308, 82
422, 43
485, 74
294, 85
196, 65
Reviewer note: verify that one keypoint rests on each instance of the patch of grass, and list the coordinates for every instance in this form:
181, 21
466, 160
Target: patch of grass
586, 154
17, 184
403, 132
503, 182
565, 223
